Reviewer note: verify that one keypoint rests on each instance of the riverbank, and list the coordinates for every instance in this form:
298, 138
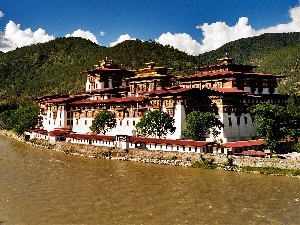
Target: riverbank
275, 166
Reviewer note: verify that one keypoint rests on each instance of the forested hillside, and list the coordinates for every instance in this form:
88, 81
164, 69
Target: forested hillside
284, 61
251, 50
135, 53
55, 67
49, 68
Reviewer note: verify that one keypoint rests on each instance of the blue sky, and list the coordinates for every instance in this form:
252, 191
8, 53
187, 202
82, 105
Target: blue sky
192, 26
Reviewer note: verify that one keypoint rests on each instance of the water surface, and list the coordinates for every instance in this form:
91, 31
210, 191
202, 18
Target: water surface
39, 186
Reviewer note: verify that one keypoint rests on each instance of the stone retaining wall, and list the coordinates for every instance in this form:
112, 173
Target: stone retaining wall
159, 157
170, 158
257, 161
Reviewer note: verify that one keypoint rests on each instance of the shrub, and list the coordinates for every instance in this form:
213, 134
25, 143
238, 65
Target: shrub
207, 164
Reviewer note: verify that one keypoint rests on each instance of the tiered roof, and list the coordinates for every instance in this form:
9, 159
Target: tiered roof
109, 90
150, 72
105, 65
226, 74
111, 100
225, 69
56, 99
168, 91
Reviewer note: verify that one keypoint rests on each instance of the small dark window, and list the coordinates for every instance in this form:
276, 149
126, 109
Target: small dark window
238, 120
246, 120
229, 122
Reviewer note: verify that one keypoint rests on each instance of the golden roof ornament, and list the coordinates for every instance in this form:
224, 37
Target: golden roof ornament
150, 65
226, 60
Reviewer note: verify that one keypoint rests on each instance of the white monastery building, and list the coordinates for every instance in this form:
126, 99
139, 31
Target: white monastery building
226, 89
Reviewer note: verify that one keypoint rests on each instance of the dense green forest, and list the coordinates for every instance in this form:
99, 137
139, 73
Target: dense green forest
56, 67
252, 50
284, 61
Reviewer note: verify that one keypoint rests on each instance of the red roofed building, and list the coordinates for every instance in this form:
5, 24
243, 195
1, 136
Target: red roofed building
226, 89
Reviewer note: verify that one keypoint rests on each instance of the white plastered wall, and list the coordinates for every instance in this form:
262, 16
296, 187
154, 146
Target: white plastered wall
235, 132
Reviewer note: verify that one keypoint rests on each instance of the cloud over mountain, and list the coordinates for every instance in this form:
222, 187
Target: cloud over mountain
14, 37
123, 37
84, 34
219, 33
214, 35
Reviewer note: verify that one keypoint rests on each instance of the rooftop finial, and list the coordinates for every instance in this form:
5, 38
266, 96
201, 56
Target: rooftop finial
226, 60
150, 64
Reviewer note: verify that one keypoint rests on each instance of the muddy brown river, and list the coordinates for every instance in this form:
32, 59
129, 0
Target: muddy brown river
39, 186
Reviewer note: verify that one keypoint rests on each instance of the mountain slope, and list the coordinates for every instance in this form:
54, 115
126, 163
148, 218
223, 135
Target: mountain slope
55, 67
251, 50
47, 68
284, 61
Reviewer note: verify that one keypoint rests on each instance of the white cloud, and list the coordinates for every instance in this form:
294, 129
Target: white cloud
84, 34
219, 33
214, 35
293, 26
14, 37
183, 42
123, 37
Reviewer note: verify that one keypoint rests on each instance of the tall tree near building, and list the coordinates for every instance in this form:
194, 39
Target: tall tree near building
103, 122
24, 118
293, 103
155, 124
274, 123
198, 124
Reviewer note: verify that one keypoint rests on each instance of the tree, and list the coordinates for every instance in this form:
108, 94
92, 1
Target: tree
293, 103
103, 121
155, 123
26, 117
274, 123
198, 123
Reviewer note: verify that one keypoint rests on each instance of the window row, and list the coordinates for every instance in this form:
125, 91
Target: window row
238, 120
